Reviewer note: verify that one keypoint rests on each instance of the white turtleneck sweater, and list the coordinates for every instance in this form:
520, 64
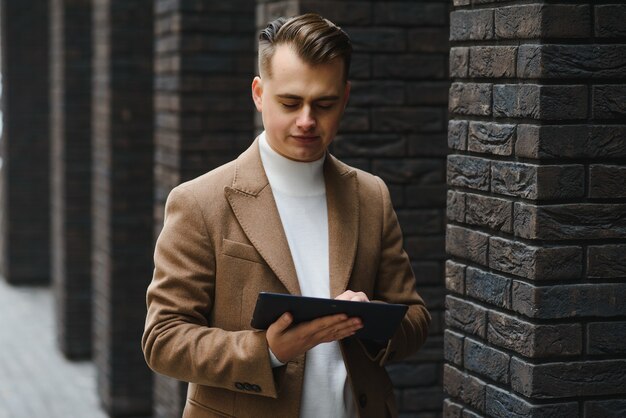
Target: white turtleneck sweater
300, 194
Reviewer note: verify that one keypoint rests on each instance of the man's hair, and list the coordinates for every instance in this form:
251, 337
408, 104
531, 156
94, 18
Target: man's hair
316, 41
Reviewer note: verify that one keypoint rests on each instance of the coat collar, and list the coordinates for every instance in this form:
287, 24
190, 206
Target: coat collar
254, 206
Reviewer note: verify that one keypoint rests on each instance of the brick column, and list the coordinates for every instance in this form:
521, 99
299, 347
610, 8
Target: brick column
123, 185
70, 136
395, 127
205, 55
536, 211
25, 145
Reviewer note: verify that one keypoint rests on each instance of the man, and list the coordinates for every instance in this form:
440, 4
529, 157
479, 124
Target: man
284, 217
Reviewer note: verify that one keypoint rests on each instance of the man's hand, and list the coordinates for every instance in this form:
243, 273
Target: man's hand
353, 296
287, 343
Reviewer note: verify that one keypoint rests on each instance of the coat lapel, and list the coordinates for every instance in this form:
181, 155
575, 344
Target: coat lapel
342, 198
253, 204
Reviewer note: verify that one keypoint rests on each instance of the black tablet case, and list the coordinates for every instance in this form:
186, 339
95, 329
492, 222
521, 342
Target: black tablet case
380, 320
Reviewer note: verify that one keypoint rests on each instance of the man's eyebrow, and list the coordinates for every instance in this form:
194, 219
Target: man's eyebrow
318, 99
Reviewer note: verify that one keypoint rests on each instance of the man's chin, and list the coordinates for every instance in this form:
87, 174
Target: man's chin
305, 156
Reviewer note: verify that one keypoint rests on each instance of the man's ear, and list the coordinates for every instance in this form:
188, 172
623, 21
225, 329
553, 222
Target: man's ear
257, 93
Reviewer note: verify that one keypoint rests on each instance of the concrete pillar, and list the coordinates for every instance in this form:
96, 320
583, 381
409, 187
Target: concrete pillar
395, 127
536, 211
25, 144
70, 136
205, 55
123, 186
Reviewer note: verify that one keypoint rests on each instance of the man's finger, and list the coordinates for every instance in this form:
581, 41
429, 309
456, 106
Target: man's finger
282, 323
338, 330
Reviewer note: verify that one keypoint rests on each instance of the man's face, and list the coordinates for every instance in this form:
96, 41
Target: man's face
301, 105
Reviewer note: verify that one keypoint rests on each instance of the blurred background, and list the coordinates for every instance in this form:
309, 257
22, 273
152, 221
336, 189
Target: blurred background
499, 127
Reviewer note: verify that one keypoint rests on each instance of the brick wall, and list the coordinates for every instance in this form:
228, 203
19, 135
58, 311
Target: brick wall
204, 111
536, 210
25, 145
122, 200
70, 136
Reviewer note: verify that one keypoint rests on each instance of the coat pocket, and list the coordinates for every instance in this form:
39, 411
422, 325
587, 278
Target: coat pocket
241, 250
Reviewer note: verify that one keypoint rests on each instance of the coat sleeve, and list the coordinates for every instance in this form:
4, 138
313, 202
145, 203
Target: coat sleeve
395, 283
178, 340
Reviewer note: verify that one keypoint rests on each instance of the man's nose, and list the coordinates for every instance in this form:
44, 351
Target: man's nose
306, 119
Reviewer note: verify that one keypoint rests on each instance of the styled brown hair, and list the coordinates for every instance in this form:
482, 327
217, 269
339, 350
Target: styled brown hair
316, 41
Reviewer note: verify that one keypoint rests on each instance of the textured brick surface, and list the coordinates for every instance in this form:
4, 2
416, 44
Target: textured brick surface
492, 61
457, 134
570, 141
464, 387
459, 61
536, 234
503, 404
491, 138
606, 181
538, 181
535, 262
605, 409
486, 361
533, 340
25, 146
557, 380
569, 301
609, 102
466, 171
123, 201
455, 277
572, 61
470, 99
606, 338
455, 207
453, 347
467, 244
609, 22
545, 102
471, 25
70, 135
466, 316
488, 211
606, 261
570, 221
488, 287
545, 21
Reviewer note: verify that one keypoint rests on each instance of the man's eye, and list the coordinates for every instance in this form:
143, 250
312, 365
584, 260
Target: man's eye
290, 105
325, 105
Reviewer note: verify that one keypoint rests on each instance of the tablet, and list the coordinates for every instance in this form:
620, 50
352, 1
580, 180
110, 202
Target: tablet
380, 320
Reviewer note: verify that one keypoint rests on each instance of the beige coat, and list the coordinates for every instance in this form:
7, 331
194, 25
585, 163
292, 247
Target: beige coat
222, 243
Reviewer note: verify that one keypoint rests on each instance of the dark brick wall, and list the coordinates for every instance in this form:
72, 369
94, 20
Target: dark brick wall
535, 319
70, 136
123, 188
205, 55
395, 127
25, 144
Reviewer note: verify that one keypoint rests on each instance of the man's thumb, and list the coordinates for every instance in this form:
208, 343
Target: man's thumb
284, 321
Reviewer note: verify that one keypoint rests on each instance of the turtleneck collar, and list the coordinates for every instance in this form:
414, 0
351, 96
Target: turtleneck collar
293, 178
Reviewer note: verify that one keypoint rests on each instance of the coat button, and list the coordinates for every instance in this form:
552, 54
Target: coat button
362, 400
240, 386
256, 388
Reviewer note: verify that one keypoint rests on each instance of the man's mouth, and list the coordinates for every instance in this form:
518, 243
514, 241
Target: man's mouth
306, 138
